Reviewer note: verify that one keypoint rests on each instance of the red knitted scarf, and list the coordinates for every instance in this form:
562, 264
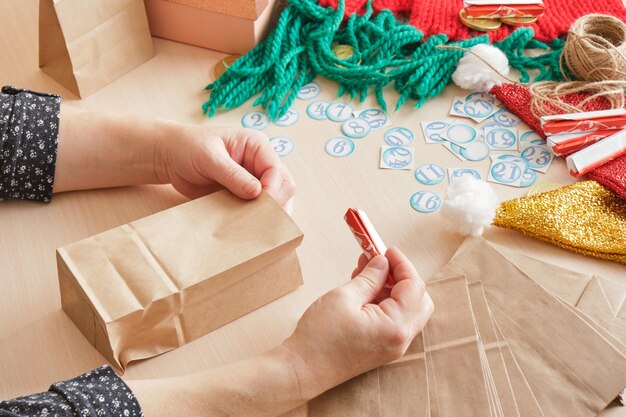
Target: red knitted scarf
441, 16
517, 99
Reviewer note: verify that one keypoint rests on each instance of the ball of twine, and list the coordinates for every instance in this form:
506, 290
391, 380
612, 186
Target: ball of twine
595, 49
593, 62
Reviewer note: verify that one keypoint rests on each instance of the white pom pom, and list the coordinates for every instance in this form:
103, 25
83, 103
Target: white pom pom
470, 206
473, 74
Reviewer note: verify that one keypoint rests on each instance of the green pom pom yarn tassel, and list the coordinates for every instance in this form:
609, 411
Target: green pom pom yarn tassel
386, 51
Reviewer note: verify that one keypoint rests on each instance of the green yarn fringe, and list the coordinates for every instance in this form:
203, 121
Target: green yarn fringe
386, 51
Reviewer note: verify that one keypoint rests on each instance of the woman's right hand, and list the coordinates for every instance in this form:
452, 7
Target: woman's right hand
360, 325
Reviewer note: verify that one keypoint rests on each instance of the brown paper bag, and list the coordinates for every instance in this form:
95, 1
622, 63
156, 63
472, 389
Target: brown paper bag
86, 44
600, 299
457, 383
525, 399
399, 389
159, 282
495, 359
571, 368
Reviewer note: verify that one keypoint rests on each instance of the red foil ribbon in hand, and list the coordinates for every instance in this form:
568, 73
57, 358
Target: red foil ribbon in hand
367, 237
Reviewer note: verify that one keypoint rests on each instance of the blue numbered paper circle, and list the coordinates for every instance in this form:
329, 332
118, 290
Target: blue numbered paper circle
309, 91
462, 172
288, 119
282, 146
339, 147
317, 110
537, 156
356, 128
461, 134
478, 108
425, 201
255, 120
339, 112
506, 118
430, 174
506, 172
434, 130
399, 136
375, 117
529, 178
501, 138
397, 157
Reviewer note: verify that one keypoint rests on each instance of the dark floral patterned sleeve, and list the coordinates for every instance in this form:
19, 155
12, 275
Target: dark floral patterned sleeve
97, 393
29, 132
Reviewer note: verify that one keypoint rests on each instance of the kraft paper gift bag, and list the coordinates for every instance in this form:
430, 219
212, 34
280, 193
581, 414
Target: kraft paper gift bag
600, 299
571, 368
154, 284
398, 389
525, 399
495, 359
86, 44
457, 382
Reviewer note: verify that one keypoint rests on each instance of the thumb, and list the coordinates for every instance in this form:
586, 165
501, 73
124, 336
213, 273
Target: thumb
236, 178
368, 284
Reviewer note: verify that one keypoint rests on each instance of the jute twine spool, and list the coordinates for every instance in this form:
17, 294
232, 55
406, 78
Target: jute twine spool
593, 62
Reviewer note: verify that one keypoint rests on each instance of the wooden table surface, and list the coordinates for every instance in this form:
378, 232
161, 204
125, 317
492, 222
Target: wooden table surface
38, 342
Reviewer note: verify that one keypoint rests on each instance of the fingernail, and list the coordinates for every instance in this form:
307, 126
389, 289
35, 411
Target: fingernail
251, 186
379, 262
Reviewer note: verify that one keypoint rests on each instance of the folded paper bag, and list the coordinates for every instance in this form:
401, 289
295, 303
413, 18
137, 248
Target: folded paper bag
87, 44
154, 284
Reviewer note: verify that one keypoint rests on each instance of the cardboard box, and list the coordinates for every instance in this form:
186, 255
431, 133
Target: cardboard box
154, 284
231, 30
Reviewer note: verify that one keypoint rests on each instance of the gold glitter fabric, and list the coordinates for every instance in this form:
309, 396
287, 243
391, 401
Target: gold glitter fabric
583, 217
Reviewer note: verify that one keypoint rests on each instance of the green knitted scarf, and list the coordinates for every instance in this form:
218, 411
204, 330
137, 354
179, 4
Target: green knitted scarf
386, 51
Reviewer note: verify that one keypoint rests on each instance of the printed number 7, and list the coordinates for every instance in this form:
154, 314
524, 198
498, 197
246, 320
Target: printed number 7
341, 108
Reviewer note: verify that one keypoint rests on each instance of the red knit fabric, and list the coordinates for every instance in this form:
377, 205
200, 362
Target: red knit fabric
517, 99
442, 16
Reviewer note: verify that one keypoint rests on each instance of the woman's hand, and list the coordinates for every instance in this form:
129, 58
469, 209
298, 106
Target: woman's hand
198, 160
360, 325
101, 150
350, 330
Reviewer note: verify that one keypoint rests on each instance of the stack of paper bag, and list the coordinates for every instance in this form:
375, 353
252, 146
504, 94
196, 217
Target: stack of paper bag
159, 282
510, 336
232, 26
